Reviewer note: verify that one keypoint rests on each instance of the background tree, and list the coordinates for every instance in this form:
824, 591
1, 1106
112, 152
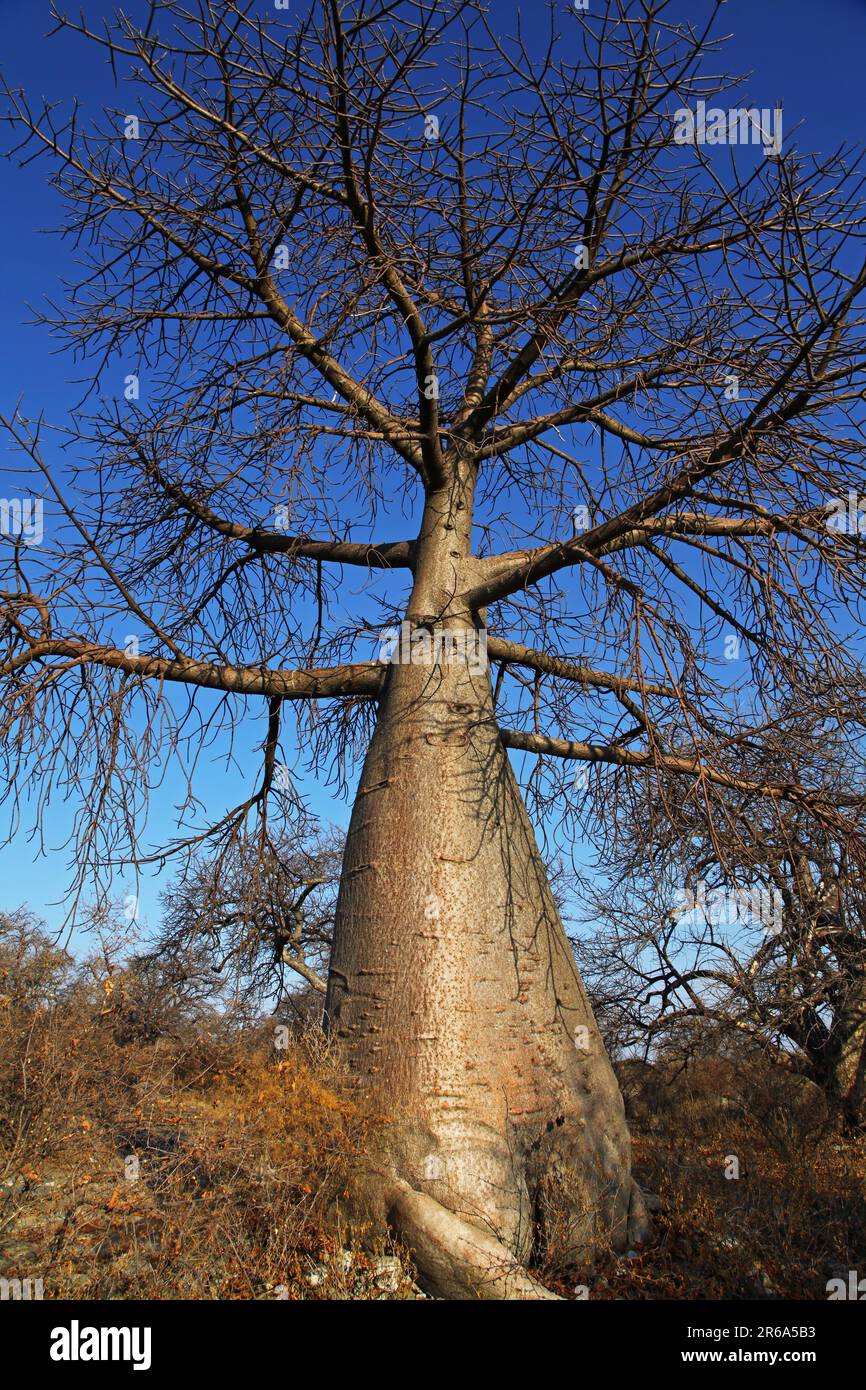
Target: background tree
258, 915
747, 930
34, 970
422, 319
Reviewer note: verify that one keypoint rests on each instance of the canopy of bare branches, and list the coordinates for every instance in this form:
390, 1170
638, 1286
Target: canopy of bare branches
354, 281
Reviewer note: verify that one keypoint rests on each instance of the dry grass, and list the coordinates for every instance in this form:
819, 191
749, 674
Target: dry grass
217, 1185
199, 1165
793, 1218
197, 1162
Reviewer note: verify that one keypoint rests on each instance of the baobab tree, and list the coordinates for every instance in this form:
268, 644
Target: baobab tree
430, 327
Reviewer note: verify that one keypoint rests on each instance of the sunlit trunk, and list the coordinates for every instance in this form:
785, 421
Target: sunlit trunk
454, 994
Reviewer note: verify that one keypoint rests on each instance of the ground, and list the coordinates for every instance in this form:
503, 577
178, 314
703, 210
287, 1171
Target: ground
214, 1170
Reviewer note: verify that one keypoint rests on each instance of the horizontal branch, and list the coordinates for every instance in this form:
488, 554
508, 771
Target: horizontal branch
516, 569
387, 555
516, 654
359, 678
576, 751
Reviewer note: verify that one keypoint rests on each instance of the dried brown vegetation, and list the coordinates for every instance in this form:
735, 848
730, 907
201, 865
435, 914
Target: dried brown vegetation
202, 1162
197, 1164
795, 1216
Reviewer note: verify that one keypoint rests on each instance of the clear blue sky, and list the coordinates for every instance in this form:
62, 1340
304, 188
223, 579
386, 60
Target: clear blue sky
811, 56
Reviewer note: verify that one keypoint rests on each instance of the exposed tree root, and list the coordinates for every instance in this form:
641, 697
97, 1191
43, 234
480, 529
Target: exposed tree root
455, 1259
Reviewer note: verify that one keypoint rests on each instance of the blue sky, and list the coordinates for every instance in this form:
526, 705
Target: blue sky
809, 56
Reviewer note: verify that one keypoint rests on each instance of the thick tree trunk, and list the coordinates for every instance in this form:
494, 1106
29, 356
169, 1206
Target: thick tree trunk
454, 992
